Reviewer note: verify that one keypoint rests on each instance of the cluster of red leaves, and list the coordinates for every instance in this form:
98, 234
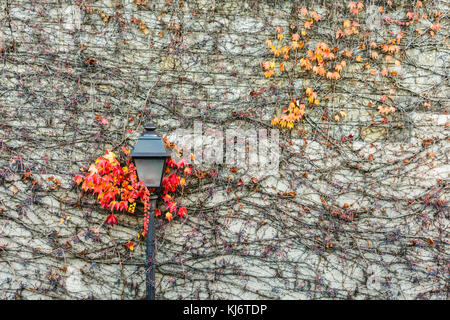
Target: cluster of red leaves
117, 187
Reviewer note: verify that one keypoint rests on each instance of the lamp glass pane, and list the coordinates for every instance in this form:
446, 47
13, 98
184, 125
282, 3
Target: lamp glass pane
150, 171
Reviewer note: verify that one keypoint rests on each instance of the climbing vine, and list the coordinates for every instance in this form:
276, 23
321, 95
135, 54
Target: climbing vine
117, 188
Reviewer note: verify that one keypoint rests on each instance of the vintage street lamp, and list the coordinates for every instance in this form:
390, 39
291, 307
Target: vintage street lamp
149, 156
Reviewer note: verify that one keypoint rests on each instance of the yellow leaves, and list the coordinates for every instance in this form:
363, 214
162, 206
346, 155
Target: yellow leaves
291, 106
347, 24
269, 66
285, 50
358, 58
280, 36
131, 207
303, 33
293, 113
282, 67
275, 120
110, 156
269, 43
269, 73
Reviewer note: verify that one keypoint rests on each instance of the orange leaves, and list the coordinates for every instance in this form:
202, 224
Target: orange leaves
269, 67
347, 54
118, 187
333, 75
292, 114
340, 34
141, 24
355, 7
342, 114
130, 245
125, 150
308, 25
436, 26
305, 63
410, 15
385, 110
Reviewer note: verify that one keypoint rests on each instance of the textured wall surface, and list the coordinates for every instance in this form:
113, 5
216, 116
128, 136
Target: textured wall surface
358, 208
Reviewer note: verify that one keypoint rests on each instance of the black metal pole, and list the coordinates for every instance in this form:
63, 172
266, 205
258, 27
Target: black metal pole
150, 253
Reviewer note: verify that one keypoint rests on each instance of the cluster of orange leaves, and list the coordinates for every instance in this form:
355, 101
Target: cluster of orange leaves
295, 111
326, 62
117, 187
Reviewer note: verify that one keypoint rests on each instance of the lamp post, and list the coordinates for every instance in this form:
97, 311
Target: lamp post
149, 156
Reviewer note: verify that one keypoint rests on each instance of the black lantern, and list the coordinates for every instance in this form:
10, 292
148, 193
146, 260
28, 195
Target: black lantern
149, 156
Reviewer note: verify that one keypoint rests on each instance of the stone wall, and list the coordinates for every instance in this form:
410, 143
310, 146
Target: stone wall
357, 209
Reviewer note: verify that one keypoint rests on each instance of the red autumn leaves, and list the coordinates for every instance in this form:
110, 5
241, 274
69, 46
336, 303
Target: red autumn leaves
117, 187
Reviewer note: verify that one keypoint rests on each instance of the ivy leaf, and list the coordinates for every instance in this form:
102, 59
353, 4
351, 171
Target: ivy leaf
111, 219
130, 245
